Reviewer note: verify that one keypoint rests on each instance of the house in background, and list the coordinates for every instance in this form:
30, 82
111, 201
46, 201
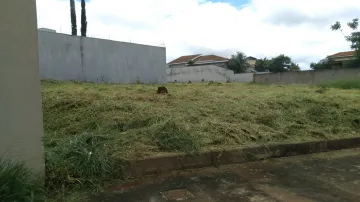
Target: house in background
196, 60
205, 68
251, 61
338, 59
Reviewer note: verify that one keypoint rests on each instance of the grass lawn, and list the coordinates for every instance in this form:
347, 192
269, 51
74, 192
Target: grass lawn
91, 128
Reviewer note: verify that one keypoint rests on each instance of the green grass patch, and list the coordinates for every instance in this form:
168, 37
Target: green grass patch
343, 84
18, 183
80, 161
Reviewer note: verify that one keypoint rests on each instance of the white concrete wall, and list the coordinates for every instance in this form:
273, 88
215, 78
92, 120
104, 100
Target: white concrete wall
66, 57
21, 128
310, 77
205, 73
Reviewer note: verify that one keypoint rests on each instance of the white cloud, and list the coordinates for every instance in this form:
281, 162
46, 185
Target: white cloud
298, 28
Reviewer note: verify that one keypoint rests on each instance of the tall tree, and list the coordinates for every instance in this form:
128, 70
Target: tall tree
262, 65
294, 67
322, 64
83, 18
282, 63
238, 63
73, 17
354, 37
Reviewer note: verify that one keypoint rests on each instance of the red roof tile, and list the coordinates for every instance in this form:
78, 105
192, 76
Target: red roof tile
184, 59
344, 54
210, 58
202, 58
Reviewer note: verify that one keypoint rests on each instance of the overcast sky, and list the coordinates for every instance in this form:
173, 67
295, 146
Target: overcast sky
259, 28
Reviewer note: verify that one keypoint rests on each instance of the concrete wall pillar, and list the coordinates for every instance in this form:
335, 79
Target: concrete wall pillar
21, 127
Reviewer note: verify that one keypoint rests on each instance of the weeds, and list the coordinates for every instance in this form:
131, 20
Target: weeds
17, 183
80, 161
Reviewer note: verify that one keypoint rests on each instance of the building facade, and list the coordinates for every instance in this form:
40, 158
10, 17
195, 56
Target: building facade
338, 59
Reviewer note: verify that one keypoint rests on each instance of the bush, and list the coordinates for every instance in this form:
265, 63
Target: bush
352, 63
344, 84
17, 183
80, 161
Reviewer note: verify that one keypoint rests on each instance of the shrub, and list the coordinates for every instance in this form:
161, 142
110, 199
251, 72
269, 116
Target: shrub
17, 183
80, 161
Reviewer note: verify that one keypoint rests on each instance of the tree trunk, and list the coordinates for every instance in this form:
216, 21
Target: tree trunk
73, 18
83, 18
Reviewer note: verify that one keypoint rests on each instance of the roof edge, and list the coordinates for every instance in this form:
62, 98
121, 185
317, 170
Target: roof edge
339, 54
195, 56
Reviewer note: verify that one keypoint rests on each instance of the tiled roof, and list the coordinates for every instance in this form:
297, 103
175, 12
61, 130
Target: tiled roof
210, 58
184, 59
344, 54
202, 58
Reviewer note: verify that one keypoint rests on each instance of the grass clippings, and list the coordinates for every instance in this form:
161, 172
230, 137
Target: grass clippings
90, 129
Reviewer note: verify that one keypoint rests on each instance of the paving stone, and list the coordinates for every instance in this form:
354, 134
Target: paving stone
177, 194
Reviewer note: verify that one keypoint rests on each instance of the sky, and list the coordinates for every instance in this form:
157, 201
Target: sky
259, 28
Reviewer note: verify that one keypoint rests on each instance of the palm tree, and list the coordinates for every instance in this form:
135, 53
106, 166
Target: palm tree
73, 18
238, 63
83, 18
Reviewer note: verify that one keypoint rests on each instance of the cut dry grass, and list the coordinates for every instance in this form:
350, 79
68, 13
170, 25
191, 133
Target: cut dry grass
134, 121
131, 121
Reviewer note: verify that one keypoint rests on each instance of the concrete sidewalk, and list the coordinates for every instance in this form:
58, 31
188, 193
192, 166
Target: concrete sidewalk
327, 177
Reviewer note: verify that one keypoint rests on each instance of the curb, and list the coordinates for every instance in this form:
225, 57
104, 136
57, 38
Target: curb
216, 158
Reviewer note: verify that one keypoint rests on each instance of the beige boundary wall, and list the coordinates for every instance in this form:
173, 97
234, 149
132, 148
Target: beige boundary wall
308, 77
21, 127
205, 73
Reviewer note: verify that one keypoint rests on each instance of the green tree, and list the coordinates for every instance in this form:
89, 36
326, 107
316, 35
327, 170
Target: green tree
190, 62
262, 65
73, 17
294, 67
322, 64
352, 63
354, 37
282, 63
238, 63
83, 18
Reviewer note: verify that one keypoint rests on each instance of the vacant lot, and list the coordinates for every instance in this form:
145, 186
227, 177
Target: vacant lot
132, 121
